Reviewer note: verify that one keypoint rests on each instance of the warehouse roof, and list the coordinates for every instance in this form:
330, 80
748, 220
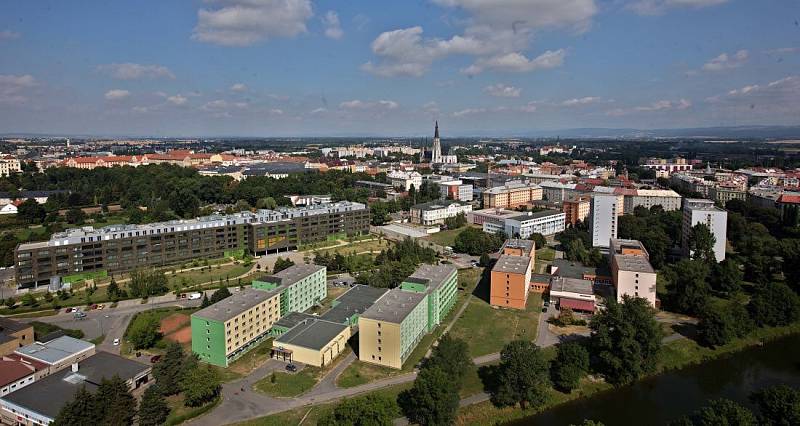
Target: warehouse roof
292, 319
512, 264
394, 306
55, 350
311, 333
570, 285
235, 304
354, 301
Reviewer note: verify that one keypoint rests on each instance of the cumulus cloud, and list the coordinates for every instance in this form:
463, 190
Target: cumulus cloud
660, 105
502, 91
13, 87
222, 105
238, 87
333, 28
726, 62
783, 51
177, 100
529, 14
9, 35
468, 111
132, 71
117, 95
359, 104
580, 101
770, 100
517, 62
657, 7
246, 22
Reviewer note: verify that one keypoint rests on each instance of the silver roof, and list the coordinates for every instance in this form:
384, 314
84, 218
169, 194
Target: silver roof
394, 306
55, 350
234, 305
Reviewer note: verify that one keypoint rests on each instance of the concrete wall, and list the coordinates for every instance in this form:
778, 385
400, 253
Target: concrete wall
371, 336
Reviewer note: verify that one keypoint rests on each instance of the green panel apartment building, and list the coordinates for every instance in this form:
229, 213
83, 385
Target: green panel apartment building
227, 329
390, 330
82, 252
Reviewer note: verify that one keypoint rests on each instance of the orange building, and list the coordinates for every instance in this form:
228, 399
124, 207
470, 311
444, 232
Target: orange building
511, 274
511, 195
576, 207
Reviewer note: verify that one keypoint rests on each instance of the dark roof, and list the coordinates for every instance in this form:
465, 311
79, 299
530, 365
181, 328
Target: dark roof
536, 215
292, 319
355, 301
10, 326
574, 269
311, 334
33, 194
577, 305
275, 167
49, 395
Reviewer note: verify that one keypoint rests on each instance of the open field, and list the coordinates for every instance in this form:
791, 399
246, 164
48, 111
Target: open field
369, 246
173, 323
294, 384
445, 238
226, 273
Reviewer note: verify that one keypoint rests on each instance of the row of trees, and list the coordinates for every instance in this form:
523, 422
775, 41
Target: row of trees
475, 242
396, 263
776, 405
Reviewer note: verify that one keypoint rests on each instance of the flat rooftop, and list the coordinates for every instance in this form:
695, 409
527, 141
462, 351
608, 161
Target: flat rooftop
512, 264
629, 262
292, 319
55, 350
525, 245
311, 333
573, 269
234, 305
571, 285
48, 395
536, 215
8, 325
431, 275
354, 301
394, 306
617, 244
292, 274
437, 205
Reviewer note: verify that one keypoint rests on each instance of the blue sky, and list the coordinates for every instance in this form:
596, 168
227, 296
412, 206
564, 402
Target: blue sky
305, 67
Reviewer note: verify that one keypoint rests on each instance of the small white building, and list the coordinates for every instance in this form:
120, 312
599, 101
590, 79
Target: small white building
436, 212
525, 224
404, 180
456, 190
698, 210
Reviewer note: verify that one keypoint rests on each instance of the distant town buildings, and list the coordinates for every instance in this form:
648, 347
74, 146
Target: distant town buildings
405, 180
576, 208
664, 167
9, 165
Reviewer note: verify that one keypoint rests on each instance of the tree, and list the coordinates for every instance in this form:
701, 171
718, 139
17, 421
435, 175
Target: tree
220, 294
200, 385
778, 405
78, 412
687, 287
113, 290
775, 304
75, 216
485, 260
169, 370
205, 302
10, 302
281, 264
143, 332
626, 339
726, 277
719, 324
30, 211
521, 376
370, 410
144, 283
701, 243
570, 365
433, 400
476, 242
266, 203
114, 402
538, 239
720, 412
452, 356
153, 409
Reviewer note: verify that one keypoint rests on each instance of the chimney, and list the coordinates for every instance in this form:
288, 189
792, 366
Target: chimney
74, 367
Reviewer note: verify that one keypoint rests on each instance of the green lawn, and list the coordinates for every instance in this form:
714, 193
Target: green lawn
487, 329
359, 373
289, 384
248, 362
446, 238
226, 273
41, 329
375, 246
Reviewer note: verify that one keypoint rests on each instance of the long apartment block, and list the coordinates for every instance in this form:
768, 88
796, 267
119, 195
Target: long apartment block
82, 252
227, 329
390, 330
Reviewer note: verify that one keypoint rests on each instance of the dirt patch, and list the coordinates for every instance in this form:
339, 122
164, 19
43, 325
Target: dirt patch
184, 335
172, 323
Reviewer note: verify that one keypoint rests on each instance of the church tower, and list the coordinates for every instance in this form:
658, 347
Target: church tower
436, 149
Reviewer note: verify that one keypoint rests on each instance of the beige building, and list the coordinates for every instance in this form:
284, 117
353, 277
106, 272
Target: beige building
511, 195
631, 271
313, 342
13, 335
9, 165
390, 330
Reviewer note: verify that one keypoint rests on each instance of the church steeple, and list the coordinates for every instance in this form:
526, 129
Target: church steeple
436, 132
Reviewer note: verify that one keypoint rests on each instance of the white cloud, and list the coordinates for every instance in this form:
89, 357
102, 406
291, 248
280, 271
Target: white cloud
520, 15
783, 51
517, 62
117, 95
238, 87
177, 100
9, 35
319, 111
502, 91
580, 101
13, 87
276, 111
657, 106
131, 71
726, 62
359, 104
656, 7
776, 99
468, 111
530, 107
333, 28
246, 22
141, 109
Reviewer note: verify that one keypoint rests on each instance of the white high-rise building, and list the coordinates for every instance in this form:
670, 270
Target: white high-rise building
698, 210
603, 219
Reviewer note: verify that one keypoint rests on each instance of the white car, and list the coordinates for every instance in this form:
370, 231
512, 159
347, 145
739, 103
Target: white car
116, 342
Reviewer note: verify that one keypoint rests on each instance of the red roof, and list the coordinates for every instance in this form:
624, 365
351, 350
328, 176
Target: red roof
38, 365
789, 199
577, 305
11, 371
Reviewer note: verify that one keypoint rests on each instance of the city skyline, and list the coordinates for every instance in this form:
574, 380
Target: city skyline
315, 68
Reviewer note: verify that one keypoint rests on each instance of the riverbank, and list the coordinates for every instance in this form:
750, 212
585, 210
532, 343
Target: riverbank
676, 355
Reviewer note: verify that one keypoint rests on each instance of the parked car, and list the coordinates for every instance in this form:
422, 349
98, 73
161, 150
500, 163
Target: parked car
155, 358
195, 296
93, 306
101, 306
116, 342
70, 310
291, 367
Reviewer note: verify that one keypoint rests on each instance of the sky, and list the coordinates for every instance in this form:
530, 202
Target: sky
386, 67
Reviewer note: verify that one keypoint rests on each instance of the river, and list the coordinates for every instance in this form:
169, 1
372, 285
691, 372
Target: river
661, 399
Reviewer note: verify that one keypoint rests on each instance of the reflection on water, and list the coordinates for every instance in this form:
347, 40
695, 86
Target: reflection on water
661, 399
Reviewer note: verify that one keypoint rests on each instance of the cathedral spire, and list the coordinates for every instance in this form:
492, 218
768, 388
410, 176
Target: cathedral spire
436, 132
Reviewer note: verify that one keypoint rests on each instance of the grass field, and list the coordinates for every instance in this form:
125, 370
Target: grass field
359, 373
159, 314
487, 329
446, 238
374, 246
226, 273
294, 384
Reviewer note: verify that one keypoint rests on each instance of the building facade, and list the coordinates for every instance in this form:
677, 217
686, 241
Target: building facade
668, 199
84, 252
435, 212
576, 208
603, 219
525, 224
14, 335
301, 286
631, 271
716, 219
511, 195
